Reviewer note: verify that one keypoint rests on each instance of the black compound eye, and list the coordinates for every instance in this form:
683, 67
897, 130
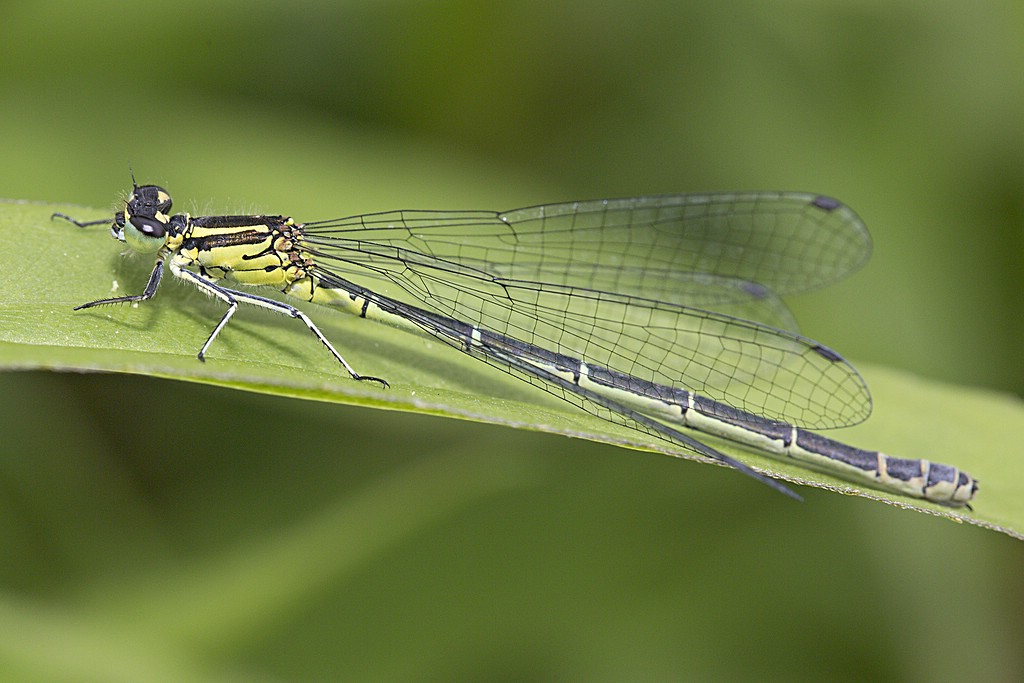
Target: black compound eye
144, 234
148, 227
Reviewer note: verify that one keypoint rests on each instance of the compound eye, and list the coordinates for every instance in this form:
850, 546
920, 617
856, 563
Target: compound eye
148, 227
144, 234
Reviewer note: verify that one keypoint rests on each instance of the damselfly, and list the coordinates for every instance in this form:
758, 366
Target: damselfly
661, 313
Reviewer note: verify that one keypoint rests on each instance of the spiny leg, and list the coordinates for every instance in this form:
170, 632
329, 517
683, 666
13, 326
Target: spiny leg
151, 286
231, 297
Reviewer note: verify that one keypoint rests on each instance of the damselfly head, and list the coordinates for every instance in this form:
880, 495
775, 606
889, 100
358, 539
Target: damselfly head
149, 201
145, 218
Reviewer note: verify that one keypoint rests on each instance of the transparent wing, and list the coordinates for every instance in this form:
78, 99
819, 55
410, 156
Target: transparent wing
628, 284
703, 251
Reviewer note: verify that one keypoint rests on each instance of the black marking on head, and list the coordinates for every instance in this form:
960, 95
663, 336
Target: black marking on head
149, 201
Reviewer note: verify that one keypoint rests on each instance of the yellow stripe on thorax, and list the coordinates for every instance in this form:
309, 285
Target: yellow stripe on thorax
256, 254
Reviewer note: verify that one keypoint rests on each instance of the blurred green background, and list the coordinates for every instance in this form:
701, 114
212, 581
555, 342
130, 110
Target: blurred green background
154, 530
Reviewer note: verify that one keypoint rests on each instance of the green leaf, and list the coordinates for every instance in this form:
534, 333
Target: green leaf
51, 266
